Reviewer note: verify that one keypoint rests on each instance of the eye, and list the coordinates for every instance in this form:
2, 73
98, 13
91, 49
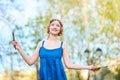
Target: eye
52, 24
58, 25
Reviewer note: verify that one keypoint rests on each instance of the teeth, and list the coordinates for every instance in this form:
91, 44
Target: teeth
54, 30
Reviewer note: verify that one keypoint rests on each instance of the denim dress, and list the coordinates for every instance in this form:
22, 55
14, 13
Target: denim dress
51, 67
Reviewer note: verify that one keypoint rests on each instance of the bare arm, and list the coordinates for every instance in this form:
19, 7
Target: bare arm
69, 65
29, 60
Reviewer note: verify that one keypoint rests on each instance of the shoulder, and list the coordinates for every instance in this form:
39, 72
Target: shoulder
64, 46
40, 43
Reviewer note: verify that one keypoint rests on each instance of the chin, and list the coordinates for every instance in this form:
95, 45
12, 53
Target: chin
54, 34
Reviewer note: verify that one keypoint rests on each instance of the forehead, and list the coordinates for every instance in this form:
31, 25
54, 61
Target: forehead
55, 22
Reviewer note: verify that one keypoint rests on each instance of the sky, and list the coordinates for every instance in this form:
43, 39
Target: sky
19, 13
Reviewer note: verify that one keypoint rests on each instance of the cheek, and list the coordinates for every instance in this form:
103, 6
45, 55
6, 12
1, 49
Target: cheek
50, 28
59, 28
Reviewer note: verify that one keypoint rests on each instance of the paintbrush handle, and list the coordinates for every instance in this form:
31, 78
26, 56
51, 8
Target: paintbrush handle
103, 67
13, 38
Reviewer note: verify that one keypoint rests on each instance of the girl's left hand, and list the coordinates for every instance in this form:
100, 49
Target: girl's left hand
93, 68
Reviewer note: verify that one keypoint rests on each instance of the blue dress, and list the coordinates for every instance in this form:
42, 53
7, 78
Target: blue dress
51, 67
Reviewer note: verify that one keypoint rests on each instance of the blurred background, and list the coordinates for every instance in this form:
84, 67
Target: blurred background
91, 32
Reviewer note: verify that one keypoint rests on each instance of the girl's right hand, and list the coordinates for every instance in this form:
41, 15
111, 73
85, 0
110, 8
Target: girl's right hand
16, 44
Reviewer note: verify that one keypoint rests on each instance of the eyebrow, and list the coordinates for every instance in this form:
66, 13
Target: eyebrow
56, 23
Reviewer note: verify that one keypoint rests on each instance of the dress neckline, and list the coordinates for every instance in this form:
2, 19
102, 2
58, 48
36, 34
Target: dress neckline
51, 48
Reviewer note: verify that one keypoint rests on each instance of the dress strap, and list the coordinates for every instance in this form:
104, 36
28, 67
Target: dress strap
43, 43
61, 44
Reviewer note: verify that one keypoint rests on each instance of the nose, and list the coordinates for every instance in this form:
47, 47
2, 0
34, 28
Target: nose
55, 26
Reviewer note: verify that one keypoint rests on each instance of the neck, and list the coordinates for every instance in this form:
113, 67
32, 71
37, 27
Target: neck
53, 37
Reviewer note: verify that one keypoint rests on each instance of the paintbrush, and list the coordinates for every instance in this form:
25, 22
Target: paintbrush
102, 67
13, 38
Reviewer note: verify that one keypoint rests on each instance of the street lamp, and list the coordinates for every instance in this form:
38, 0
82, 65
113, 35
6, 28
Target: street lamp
92, 60
99, 49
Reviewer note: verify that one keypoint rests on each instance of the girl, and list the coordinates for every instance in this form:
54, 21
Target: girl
50, 52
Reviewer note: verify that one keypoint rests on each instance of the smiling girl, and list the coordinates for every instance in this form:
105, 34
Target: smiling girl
51, 52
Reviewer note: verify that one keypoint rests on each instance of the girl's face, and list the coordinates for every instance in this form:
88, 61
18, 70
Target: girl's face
54, 28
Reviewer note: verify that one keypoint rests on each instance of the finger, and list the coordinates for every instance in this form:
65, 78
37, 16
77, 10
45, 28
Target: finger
13, 42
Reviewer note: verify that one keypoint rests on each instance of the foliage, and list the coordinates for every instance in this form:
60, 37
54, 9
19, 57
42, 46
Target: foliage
87, 24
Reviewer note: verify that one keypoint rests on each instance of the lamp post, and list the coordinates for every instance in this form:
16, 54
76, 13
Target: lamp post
92, 60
